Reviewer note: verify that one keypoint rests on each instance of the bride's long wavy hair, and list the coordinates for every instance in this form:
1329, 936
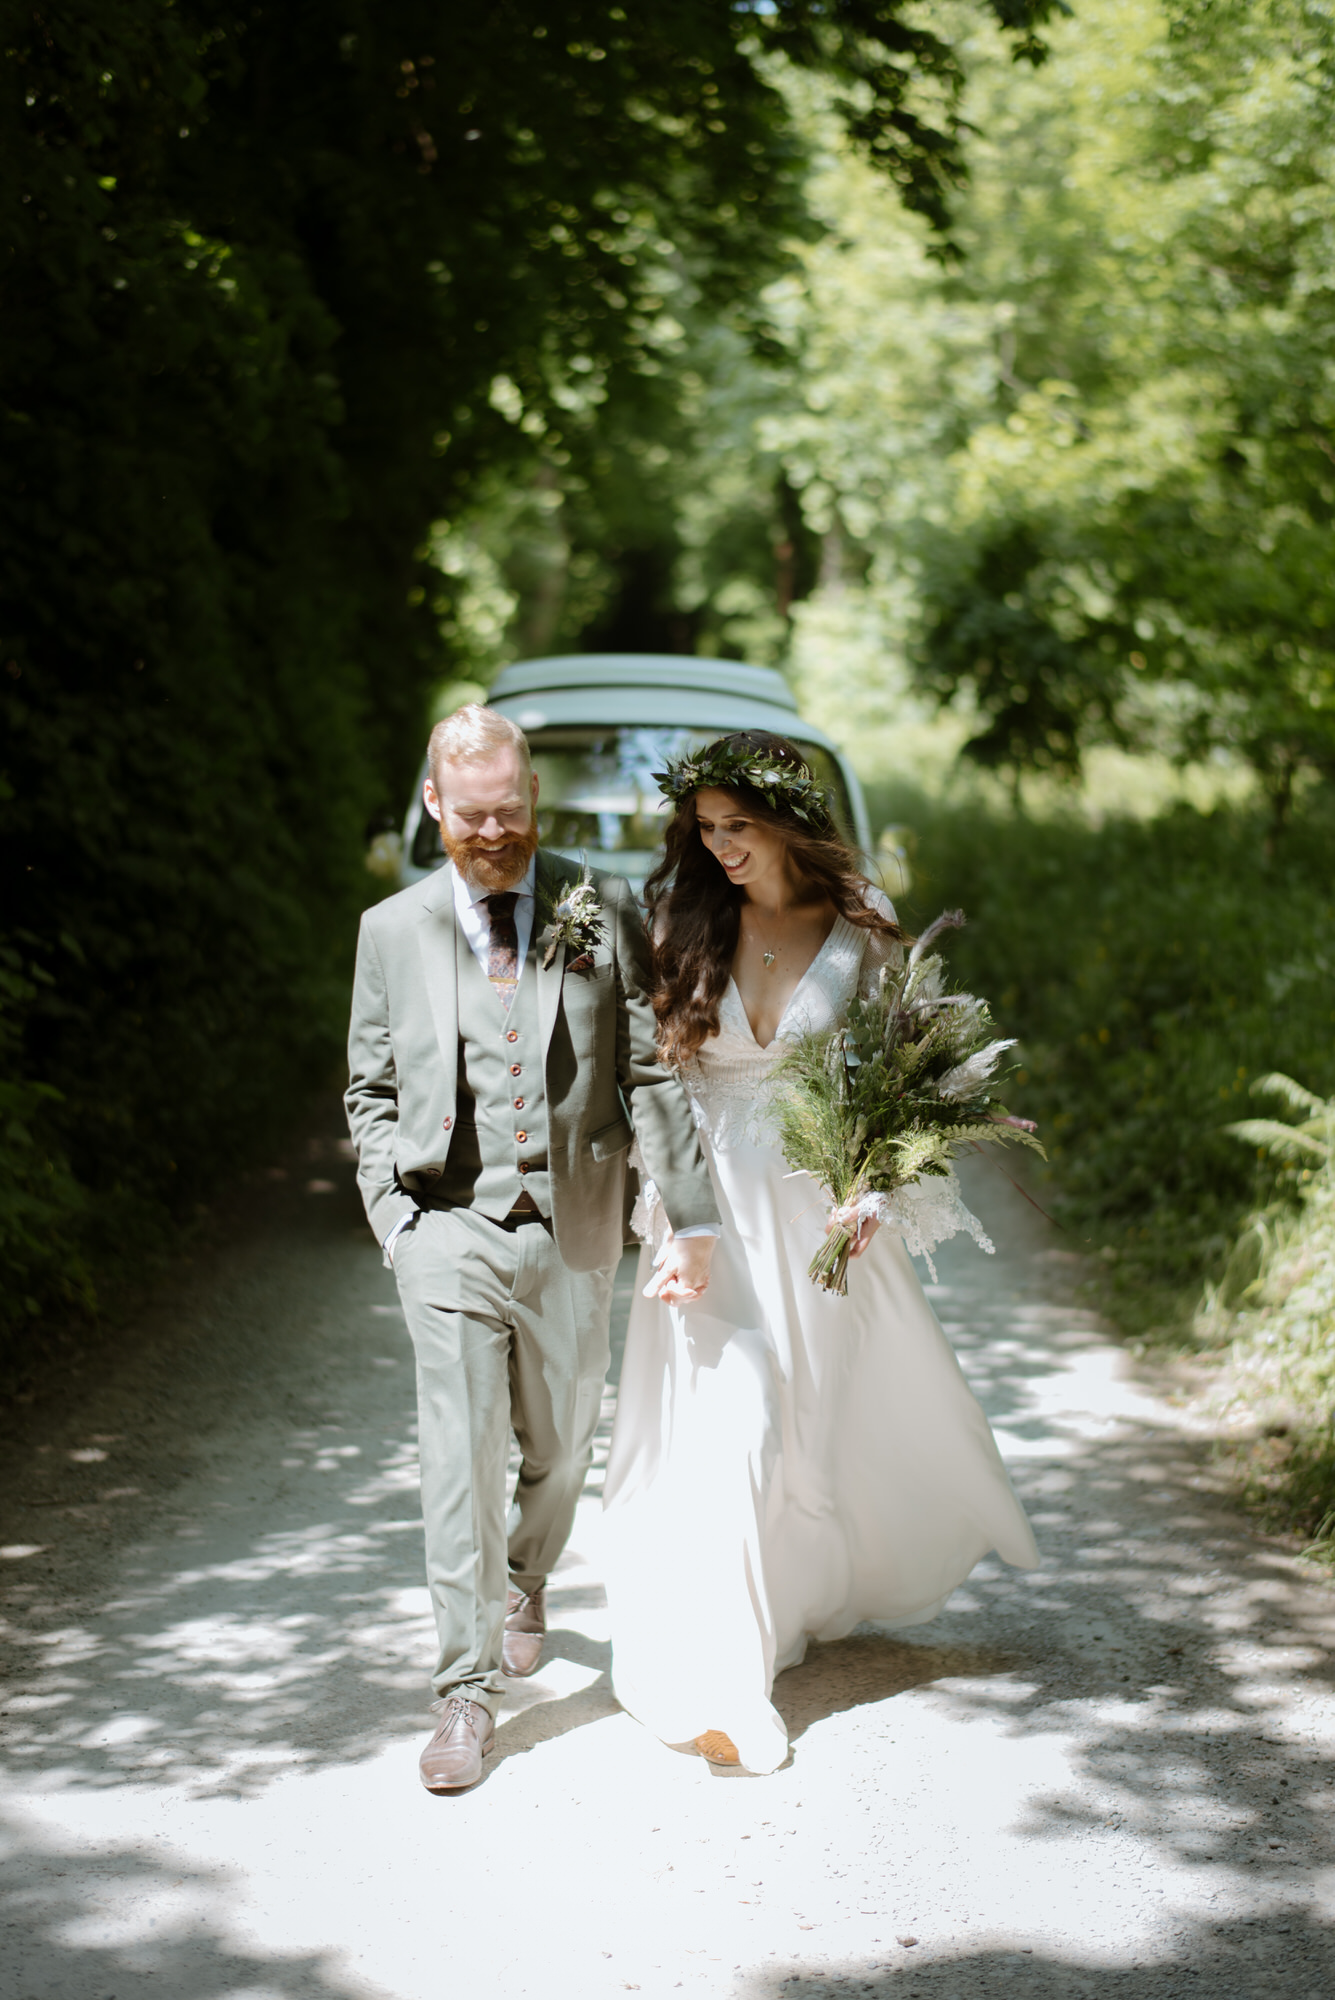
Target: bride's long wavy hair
695, 912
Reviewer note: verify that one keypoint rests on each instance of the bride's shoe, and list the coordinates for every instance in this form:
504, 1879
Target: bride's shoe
717, 1748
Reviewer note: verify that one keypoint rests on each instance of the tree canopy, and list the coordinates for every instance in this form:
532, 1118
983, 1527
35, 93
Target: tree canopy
286, 292
1074, 481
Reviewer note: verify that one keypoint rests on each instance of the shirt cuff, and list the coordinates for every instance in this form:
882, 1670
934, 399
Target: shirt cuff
696, 1229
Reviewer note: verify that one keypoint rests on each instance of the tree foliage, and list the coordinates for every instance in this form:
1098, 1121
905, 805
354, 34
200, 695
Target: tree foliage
1090, 464
283, 287
1076, 477
1168, 450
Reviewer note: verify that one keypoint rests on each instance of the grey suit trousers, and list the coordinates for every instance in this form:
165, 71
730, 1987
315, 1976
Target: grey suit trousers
506, 1337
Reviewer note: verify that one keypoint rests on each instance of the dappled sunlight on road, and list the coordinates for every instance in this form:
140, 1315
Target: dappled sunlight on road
311, 1643
1110, 1776
203, 1665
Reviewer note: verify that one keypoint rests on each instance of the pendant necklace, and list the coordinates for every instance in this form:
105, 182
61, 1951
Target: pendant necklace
767, 958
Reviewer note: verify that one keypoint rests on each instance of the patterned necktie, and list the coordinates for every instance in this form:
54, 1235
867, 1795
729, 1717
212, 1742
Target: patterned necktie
503, 954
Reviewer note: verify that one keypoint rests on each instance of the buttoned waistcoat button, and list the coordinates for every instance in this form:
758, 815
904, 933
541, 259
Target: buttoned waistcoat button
521, 1137
512, 1034
519, 1104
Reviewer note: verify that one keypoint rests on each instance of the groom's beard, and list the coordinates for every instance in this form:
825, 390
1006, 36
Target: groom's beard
495, 868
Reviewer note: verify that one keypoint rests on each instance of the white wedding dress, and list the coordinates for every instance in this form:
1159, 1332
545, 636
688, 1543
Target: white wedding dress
784, 1463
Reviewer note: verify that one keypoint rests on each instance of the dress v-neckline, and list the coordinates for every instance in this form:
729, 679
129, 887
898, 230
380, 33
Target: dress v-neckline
765, 1047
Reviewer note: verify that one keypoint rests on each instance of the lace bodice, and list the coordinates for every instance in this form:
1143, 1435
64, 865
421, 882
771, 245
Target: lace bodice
729, 1083
728, 1079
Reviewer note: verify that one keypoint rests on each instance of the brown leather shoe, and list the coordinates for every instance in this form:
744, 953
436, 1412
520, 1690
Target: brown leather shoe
452, 1759
525, 1630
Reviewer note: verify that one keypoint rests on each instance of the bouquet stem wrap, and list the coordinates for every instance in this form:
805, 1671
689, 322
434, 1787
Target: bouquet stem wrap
829, 1266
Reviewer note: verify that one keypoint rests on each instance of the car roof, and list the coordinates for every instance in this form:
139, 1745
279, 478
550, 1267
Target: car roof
649, 689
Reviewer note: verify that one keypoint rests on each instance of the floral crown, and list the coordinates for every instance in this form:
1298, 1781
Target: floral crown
726, 766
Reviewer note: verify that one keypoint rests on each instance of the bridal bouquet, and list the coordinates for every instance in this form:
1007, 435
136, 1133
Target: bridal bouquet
878, 1108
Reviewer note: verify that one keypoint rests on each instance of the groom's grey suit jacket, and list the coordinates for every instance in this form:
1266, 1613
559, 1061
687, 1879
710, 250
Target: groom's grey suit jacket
600, 1071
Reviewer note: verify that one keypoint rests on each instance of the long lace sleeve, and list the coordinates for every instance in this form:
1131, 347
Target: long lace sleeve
648, 1218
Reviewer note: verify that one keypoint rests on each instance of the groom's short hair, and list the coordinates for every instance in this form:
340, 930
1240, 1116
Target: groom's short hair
472, 734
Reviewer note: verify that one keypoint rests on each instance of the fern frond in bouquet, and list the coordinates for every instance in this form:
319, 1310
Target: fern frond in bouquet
889, 1100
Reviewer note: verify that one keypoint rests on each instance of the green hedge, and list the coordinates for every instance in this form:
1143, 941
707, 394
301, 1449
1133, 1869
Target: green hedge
1152, 970
255, 280
185, 784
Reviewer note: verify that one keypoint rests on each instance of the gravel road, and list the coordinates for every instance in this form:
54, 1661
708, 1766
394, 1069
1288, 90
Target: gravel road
1111, 1777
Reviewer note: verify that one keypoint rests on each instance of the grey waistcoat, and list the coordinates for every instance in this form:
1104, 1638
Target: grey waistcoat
594, 1059
493, 1135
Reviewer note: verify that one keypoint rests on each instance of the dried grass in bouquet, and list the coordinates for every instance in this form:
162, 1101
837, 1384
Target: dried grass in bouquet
878, 1110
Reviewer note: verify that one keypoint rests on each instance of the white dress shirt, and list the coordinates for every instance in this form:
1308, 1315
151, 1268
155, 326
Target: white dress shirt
474, 919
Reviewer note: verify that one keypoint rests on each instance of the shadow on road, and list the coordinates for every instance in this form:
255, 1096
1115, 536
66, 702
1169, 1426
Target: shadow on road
1253, 1960
849, 1673
264, 1611
125, 1924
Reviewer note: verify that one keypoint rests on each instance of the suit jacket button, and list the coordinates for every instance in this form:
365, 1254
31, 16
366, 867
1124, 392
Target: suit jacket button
433, 1173
521, 1137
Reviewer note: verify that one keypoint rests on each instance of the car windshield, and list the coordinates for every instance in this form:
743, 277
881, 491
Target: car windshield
597, 798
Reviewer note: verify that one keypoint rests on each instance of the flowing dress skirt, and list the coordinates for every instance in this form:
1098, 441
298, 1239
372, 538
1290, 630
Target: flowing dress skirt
784, 1465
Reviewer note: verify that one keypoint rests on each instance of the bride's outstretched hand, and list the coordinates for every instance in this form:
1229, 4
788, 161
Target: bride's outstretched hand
682, 1271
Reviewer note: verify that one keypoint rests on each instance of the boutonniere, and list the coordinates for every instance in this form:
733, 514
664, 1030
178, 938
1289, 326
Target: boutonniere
575, 920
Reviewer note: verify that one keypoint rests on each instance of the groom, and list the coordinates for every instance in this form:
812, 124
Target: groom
492, 1071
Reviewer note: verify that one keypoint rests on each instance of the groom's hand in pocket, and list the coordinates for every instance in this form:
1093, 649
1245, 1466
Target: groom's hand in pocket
683, 1272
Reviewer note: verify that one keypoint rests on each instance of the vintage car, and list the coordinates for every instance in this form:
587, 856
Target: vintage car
600, 724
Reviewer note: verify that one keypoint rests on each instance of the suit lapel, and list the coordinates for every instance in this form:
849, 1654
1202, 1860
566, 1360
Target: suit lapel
436, 935
548, 880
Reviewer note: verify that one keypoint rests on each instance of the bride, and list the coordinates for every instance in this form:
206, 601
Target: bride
784, 1463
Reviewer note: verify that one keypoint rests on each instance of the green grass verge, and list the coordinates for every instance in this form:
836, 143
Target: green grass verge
1152, 969
1274, 1308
